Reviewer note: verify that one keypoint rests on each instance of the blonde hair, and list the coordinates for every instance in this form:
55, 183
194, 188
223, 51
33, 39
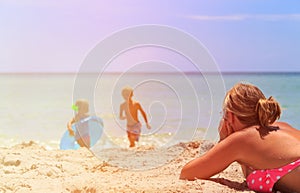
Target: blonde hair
127, 92
251, 106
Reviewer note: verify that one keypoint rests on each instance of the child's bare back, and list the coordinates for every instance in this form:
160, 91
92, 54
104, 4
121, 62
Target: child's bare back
129, 112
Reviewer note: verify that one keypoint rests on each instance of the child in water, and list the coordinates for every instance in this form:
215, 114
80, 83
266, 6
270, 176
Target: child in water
81, 134
129, 111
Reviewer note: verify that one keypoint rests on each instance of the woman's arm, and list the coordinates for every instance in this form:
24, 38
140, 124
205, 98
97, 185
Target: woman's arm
215, 160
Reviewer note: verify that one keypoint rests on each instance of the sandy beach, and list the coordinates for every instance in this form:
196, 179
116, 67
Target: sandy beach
29, 167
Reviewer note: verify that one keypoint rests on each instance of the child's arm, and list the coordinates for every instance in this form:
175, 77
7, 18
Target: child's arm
122, 117
144, 115
69, 126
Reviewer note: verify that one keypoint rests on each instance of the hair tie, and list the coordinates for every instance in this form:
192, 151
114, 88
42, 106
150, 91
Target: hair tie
75, 107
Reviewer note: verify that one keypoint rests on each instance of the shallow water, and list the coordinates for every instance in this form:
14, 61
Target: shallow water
180, 107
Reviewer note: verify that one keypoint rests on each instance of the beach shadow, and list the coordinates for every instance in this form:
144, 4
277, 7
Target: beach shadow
231, 184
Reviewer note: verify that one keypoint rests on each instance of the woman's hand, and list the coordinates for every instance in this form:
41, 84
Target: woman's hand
225, 129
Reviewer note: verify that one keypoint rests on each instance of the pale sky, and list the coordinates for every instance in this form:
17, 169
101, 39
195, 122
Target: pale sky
241, 35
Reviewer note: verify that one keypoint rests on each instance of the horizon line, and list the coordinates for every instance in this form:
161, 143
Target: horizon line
152, 72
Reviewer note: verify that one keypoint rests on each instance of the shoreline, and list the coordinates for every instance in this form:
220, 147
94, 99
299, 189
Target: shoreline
29, 167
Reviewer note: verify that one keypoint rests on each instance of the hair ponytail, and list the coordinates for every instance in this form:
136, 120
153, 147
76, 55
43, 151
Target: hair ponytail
268, 111
250, 105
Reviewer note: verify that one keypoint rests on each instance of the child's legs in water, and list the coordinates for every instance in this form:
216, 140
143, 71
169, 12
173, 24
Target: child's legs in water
132, 138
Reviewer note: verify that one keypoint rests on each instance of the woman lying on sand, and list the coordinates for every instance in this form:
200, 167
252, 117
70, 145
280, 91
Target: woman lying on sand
268, 151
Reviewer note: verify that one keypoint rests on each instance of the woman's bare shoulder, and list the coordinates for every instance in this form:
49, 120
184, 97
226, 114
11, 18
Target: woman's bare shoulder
284, 125
245, 136
243, 142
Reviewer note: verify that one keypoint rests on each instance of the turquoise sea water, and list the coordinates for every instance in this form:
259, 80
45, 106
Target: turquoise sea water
180, 107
